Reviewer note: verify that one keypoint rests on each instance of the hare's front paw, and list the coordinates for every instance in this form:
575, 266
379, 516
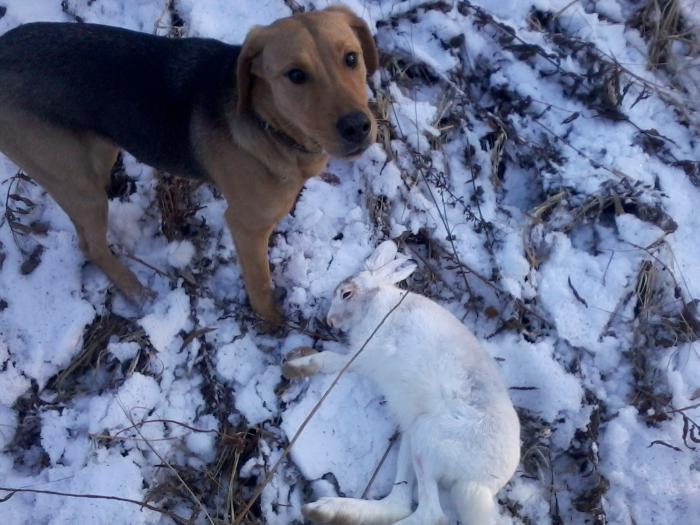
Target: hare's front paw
326, 510
297, 367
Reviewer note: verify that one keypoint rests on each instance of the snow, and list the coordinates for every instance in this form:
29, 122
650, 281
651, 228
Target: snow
604, 382
169, 317
40, 349
346, 452
635, 454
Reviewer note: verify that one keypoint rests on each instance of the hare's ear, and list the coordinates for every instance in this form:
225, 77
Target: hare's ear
383, 254
401, 270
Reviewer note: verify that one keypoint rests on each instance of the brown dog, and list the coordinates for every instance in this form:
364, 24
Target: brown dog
257, 120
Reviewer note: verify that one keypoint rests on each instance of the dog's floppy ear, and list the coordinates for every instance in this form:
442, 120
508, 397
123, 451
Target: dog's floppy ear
251, 49
369, 49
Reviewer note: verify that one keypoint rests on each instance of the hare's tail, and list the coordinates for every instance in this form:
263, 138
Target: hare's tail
475, 504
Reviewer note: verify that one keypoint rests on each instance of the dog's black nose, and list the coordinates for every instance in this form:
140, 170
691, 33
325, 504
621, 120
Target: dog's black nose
354, 127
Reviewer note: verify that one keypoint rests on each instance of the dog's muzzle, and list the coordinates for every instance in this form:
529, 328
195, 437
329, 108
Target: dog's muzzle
354, 128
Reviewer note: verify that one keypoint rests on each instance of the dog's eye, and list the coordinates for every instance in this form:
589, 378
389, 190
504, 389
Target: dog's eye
347, 294
297, 76
351, 59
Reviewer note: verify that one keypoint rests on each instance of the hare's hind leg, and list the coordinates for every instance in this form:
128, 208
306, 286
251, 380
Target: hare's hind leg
429, 510
386, 511
475, 504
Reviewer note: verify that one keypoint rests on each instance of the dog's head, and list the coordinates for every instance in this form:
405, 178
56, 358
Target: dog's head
306, 75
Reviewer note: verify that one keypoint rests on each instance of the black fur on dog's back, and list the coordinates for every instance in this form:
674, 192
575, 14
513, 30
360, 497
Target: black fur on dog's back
137, 90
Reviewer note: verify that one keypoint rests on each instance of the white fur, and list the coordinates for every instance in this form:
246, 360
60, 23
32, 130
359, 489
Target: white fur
460, 431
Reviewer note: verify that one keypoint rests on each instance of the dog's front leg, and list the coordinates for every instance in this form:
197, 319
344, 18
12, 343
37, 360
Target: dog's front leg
251, 246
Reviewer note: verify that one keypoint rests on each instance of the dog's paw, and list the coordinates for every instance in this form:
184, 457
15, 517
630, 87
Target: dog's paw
136, 301
144, 300
271, 319
146, 297
274, 327
300, 363
130, 287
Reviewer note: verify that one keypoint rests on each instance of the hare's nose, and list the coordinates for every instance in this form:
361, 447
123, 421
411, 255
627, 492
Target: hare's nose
332, 320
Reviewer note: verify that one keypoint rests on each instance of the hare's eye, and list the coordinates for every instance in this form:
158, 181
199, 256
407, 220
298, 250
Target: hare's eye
347, 294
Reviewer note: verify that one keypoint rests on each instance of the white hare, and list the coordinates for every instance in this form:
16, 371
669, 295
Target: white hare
459, 429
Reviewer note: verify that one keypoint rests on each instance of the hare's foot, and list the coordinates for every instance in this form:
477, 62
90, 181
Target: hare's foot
475, 503
347, 511
394, 507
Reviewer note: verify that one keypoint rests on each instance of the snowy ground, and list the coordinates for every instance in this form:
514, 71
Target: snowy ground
544, 178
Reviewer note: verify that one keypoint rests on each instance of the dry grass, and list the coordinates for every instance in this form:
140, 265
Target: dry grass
381, 107
661, 320
663, 24
217, 489
565, 210
175, 197
673, 47
170, 23
663, 314
93, 368
19, 214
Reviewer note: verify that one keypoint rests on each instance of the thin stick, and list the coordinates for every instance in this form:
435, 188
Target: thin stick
392, 440
306, 421
561, 11
147, 265
171, 421
166, 463
13, 491
676, 410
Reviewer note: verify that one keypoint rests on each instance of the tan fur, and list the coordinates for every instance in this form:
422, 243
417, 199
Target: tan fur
291, 368
259, 176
